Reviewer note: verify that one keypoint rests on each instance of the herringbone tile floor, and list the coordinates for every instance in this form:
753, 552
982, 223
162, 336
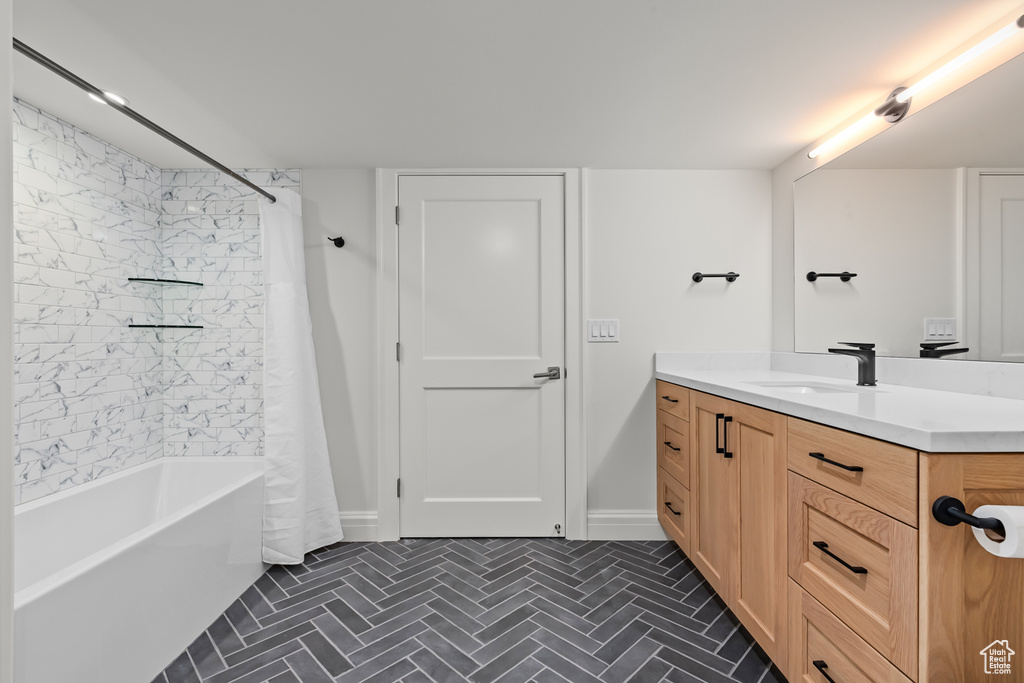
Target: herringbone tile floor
478, 610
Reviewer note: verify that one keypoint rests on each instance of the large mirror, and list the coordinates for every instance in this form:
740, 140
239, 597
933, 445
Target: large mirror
929, 216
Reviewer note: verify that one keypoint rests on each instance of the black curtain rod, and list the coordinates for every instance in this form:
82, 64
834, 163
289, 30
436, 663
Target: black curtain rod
132, 114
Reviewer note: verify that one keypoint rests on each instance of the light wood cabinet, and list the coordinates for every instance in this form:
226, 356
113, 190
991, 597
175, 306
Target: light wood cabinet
897, 597
739, 521
969, 598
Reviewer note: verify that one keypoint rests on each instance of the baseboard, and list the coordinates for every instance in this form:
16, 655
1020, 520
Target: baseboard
624, 525
359, 525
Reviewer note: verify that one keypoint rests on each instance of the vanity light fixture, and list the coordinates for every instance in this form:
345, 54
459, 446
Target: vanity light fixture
110, 97
897, 103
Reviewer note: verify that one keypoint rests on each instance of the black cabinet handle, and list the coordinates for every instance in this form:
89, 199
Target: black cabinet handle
823, 547
669, 444
670, 400
669, 506
820, 665
848, 468
718, 442
725, 436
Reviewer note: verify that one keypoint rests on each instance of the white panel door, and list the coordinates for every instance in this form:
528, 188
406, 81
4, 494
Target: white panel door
481, 311
1002, 267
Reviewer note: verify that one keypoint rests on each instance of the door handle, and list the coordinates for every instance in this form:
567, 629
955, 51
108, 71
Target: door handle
718, 442
821, 666
726, 419
554, 372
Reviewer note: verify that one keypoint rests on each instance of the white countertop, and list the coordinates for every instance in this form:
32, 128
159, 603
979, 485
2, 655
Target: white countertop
923, 419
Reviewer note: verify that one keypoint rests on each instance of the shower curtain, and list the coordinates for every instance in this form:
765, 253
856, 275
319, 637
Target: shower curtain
300, 511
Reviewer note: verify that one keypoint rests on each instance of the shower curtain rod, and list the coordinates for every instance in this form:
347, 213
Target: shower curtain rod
132, 114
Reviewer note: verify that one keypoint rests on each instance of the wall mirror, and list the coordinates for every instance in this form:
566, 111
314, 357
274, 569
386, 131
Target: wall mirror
929, 216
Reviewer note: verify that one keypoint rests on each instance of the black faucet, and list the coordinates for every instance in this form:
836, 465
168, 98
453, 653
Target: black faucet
934, 350
865, 355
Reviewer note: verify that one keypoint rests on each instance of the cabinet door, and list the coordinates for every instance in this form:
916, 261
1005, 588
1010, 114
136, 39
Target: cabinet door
758, 581
969, 599
716, 522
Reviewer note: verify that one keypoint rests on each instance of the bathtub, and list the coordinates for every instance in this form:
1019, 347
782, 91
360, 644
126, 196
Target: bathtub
115, 578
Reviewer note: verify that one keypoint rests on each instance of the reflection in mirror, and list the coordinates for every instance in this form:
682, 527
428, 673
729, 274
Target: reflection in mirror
930, 215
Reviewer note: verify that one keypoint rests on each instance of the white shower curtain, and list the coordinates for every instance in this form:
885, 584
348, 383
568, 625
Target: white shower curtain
300, 511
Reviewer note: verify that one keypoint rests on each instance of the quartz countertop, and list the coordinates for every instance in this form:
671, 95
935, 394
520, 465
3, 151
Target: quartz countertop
924, 419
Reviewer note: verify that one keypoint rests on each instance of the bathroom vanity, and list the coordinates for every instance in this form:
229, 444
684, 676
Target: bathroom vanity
806, 502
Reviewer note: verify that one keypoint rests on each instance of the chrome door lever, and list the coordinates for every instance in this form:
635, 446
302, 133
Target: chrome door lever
554, 372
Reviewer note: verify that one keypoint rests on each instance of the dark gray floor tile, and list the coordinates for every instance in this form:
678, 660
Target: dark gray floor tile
224, 636
499, 665
268, 643
336, 633
160, 678
563, 667
509, 610
651, 672
446, 652
622, 641
326, 654
258, 662
181, 670
348, 616
435, 668
505, 623
386, 643
752, 667
505, 641
205, 657
307, 668
630, 662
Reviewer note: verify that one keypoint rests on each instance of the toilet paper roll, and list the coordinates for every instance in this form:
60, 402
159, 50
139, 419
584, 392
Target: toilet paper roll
1012, 517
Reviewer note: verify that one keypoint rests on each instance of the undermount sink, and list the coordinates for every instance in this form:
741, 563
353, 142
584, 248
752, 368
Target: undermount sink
806, 387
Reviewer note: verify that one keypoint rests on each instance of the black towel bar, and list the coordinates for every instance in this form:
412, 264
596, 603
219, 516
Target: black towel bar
729, 277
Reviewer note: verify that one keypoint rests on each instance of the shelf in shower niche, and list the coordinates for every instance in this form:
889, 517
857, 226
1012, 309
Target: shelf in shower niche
185, 327
161, 281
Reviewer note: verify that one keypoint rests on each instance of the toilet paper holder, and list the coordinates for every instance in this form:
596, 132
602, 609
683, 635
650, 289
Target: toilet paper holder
951, 511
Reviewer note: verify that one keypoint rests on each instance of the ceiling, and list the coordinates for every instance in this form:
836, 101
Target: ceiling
483, 83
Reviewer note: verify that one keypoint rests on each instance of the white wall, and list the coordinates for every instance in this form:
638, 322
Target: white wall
895, 228
647, 232
6, 365
343, 305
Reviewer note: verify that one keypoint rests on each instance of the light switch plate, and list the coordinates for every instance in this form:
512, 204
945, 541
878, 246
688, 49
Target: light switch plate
940, 329
602, 330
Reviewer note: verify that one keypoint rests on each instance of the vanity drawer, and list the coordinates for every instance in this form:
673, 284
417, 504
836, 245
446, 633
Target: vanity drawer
674, 509
887, 481
674, 447
860, 564
820, 642
674, 399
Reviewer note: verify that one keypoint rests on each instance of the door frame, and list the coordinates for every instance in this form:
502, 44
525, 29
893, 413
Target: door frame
969, 257
388, 404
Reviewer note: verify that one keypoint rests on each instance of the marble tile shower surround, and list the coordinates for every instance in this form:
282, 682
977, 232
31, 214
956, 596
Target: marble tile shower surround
94, 396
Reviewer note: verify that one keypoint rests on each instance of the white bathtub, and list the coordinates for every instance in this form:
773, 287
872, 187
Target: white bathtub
113, 579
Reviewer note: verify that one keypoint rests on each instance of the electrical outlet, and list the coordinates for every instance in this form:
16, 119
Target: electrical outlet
940, 329
602, 330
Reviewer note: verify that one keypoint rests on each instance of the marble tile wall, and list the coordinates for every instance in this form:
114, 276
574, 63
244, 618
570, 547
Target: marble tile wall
93, 395
88, 389
213, 399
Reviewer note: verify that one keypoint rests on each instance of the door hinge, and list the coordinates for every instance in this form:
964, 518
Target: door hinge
398, 351
398, 492
396, 215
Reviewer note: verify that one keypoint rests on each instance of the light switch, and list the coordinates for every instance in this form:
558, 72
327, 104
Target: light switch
940, 329
602, 330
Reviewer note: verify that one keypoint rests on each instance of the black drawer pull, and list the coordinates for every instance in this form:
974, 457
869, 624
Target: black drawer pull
670, 400
718, 442
726, 453
848, 468
823, 547
669, 444
669, 506
820, 665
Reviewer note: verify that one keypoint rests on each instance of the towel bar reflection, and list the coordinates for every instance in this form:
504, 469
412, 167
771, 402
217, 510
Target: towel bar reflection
844, 276
729, 277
